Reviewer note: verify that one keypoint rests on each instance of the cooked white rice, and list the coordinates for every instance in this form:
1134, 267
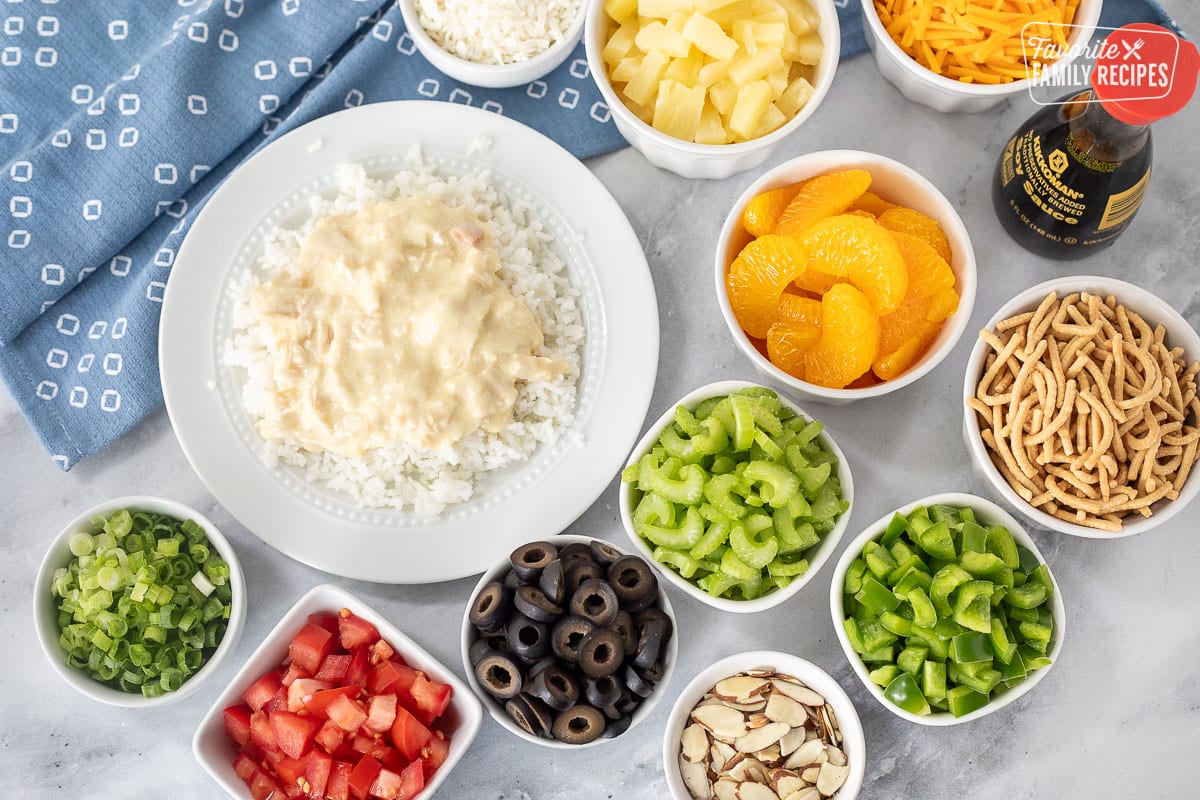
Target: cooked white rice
408, 478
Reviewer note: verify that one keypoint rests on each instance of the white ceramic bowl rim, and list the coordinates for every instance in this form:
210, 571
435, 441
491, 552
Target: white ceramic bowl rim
58, 555
990, 511
1028, 300
819, 555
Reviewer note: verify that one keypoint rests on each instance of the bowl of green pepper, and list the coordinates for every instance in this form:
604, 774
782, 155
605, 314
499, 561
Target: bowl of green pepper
737, 496
947, 610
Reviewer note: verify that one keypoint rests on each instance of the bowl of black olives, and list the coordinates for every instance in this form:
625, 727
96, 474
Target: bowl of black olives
568, 643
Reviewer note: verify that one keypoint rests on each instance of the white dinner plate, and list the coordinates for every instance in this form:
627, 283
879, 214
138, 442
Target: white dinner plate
535, 499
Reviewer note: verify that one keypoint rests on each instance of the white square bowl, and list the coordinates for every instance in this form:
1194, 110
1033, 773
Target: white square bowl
215, 751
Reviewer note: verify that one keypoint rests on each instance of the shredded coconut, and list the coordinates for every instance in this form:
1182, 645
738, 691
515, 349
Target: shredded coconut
497, 31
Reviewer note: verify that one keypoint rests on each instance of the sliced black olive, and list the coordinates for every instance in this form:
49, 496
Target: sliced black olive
650, 643
528, 560
618, 726
546, 661
527, 638
574, 551
613, 713
568, 635
604, 553
601, 653
628, 702
603, 692
555, 686
579, 725
636, 683
581, 572
511, 581
530, 601
624, 625
490, 608
633, 582
642, 617
499, 675
531, 714
479, 649
595, 600
553, 582
654, 673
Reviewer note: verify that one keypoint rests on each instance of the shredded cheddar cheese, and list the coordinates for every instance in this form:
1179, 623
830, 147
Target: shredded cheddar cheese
978, 41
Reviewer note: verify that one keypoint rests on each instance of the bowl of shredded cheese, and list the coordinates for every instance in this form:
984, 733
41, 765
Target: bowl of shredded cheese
494, 43
969, 55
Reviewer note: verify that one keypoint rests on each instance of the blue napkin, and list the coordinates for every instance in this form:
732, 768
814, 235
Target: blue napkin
119, 119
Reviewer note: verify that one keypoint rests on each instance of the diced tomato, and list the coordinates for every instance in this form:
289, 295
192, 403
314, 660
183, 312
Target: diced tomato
409, 735
327, 621
386, 785
412, 781
381, 713
319, 702
293, 733
261, 733
263, 788
262, 690
356, 673
279, 702
355, 631
302, 688
237, 723
292, 673
391, 676
316, 771
289, 770
381, 651
362, 776
362, 744
334, 667
244, 767
430, 697
435, 753
330, 736
310, 647
339, 781
348, 714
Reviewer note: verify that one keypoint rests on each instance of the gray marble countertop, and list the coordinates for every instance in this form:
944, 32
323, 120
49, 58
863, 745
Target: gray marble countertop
1117, 717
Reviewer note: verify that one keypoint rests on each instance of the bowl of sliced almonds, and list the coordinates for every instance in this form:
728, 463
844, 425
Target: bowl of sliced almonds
764, 725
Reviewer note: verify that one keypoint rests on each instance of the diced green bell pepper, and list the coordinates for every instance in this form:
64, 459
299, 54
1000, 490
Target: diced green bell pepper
876, 597
923, 610
944, 582
1032, 658
1003, 646
979, 676
937, 541
911, 659
962, 700
882, 676
915, 578
854, 576
896, 528
1001, 543
933, 680
981, 565
1036, 635
973, 606
971, 648
879, 560
1030, 595
904, 693
896, 623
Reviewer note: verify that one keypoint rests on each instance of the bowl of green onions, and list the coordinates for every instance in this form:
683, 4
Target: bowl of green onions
138, 600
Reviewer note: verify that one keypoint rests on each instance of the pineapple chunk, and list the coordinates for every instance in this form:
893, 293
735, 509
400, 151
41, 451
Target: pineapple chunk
795, 97
727, 13
622, 11
796, 18
771, 119
753, 67
657, 37
810, 49
662, 9
712, 72
619, 44
791, 46
752, 102
711, 129
677, 109
723, 95
686, 70
708, 37
644, 83
626, 68
764, 34
778, 80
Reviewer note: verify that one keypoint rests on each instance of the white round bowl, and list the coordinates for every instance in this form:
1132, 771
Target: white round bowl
491, 76
991, 514
817, 559
944, 94
853, 742
689, 159
1156, 311
45, 608
895, 182
496, 709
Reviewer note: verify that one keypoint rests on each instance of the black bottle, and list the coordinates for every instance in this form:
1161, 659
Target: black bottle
1072, 178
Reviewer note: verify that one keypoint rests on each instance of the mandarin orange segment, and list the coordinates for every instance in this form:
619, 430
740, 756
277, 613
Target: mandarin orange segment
821, 197
761, 214
873, 204
798, 310
930, 297
817, 283
907, 220
849, 340
787, 343
862, 252
757, 278
895, 363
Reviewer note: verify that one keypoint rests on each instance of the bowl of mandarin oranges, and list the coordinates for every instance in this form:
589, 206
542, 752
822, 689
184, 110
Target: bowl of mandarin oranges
844, 275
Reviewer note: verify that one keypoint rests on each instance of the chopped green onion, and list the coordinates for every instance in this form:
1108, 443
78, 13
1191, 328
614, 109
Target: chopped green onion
81, 544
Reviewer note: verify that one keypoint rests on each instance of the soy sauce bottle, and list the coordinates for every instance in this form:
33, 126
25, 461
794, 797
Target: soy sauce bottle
1072, 178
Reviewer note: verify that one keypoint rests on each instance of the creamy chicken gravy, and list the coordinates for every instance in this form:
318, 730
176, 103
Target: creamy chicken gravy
395, 329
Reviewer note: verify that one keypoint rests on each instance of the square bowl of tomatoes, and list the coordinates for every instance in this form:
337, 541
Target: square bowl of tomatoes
337, 704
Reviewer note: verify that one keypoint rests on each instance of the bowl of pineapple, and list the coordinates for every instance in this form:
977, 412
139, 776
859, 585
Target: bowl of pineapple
708, 88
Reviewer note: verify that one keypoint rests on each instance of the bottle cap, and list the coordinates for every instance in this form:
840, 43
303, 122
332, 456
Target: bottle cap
1144, 73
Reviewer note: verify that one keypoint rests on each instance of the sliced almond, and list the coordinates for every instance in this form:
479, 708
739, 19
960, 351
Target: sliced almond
805, 754
757, 721
760, 672
725, 790
755, 791
735, 768
785, 782
781, 708
756, 771
742, 688
836, 756
805, 794
831, 778
762, 738
694, 743
791, 740
723, 722
811, 774
770, 756
801, 694
695, 778
752, 707
716, 758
